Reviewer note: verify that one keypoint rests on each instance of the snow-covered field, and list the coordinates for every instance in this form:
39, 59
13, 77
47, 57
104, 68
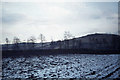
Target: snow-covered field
62, 66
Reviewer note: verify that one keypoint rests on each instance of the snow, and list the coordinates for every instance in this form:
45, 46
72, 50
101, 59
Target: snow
61, 66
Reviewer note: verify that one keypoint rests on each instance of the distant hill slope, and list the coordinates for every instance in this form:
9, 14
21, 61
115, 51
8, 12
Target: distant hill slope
91, 41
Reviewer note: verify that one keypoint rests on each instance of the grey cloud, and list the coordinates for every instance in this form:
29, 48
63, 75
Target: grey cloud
110, 17
95, 16
12, 18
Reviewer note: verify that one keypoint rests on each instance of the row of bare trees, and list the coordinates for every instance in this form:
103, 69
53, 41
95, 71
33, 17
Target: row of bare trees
32, 39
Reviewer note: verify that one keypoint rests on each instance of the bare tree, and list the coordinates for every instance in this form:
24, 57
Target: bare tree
67, 35
42, 39
32, 40
52, 43
16, 40
7, 42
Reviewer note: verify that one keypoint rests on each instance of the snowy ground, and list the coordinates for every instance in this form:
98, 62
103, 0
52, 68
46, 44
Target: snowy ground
62, 66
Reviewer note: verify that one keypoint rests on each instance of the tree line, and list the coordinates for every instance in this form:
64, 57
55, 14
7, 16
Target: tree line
32, 39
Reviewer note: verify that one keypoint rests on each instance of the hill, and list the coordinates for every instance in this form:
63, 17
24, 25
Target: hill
91, 41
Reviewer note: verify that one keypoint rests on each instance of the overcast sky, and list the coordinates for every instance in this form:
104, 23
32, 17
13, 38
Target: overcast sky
25, 19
